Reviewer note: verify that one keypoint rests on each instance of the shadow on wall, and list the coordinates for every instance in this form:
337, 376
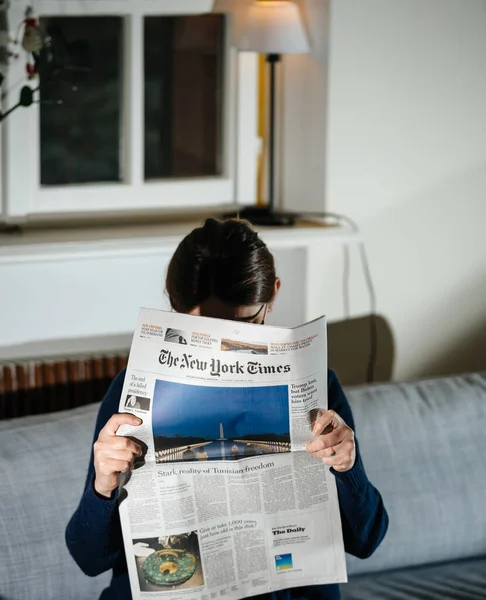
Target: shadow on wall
467, 355
349, 349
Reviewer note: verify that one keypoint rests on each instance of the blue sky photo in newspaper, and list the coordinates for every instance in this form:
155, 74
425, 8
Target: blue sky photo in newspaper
193, 422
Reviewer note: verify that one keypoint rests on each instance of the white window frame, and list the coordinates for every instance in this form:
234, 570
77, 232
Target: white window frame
26, 198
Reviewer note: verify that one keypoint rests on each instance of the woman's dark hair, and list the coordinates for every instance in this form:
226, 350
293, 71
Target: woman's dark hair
224, 259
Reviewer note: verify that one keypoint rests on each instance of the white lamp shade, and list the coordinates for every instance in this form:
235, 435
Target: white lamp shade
273, 27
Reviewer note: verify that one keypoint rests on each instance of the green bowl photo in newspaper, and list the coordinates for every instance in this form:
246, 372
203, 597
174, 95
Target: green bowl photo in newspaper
169, 567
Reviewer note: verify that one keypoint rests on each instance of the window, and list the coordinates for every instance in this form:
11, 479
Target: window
184, 96
81, 110
152, 109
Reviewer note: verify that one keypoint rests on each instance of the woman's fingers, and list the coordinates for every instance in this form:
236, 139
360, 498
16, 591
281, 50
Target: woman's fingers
326, 452
344, 459
331, 439
118, 449
326, 420
342, 454
115, 421
110, 466
117, 445
335, 444
120, 442
114, 454
117, 455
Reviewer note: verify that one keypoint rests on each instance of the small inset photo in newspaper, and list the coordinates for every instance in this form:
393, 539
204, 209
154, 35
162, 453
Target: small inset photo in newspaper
137, 402
198, 423
176, 336
240, 347
168, 563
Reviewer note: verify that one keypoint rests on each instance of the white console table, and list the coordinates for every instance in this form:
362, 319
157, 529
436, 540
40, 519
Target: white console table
80, 290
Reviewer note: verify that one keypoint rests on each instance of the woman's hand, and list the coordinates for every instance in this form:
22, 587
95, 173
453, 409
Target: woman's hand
113, 454
335, 442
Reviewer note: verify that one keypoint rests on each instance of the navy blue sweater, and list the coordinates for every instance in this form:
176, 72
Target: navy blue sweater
94, 538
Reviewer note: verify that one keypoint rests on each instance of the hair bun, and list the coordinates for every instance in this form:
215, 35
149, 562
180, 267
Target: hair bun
226, 259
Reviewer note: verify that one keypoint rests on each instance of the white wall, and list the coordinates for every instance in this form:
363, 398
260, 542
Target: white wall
392, 133
406, 158
81, 290
78, 294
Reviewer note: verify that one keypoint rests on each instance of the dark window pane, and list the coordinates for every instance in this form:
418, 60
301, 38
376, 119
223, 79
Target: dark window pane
80, 138
183, 95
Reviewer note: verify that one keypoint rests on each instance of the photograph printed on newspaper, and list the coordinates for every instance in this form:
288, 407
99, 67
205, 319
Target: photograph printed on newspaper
225, 501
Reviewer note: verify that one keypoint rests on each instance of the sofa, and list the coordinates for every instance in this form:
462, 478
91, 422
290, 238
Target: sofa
423, 445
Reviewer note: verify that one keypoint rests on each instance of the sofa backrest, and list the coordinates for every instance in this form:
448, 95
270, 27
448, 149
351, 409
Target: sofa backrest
43, 463
423, 446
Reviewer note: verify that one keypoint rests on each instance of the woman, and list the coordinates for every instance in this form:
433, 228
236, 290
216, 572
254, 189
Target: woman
221, 270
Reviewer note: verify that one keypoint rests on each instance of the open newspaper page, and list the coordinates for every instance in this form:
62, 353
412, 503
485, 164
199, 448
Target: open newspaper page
225, 501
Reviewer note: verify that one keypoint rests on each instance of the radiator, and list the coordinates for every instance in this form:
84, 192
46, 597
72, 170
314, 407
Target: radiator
36, 387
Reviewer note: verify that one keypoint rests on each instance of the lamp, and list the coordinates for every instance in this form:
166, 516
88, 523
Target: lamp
272, 27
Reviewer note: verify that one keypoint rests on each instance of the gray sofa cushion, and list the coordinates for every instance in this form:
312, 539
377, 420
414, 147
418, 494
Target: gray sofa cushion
423, 446
43, 463
463, 580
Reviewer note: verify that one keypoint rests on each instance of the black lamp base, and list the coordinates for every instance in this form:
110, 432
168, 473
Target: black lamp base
263, 215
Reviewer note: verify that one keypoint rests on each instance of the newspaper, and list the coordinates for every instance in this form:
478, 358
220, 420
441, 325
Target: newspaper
226, 502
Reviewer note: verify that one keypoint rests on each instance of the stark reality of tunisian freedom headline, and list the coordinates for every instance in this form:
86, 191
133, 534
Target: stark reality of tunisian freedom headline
225, 501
